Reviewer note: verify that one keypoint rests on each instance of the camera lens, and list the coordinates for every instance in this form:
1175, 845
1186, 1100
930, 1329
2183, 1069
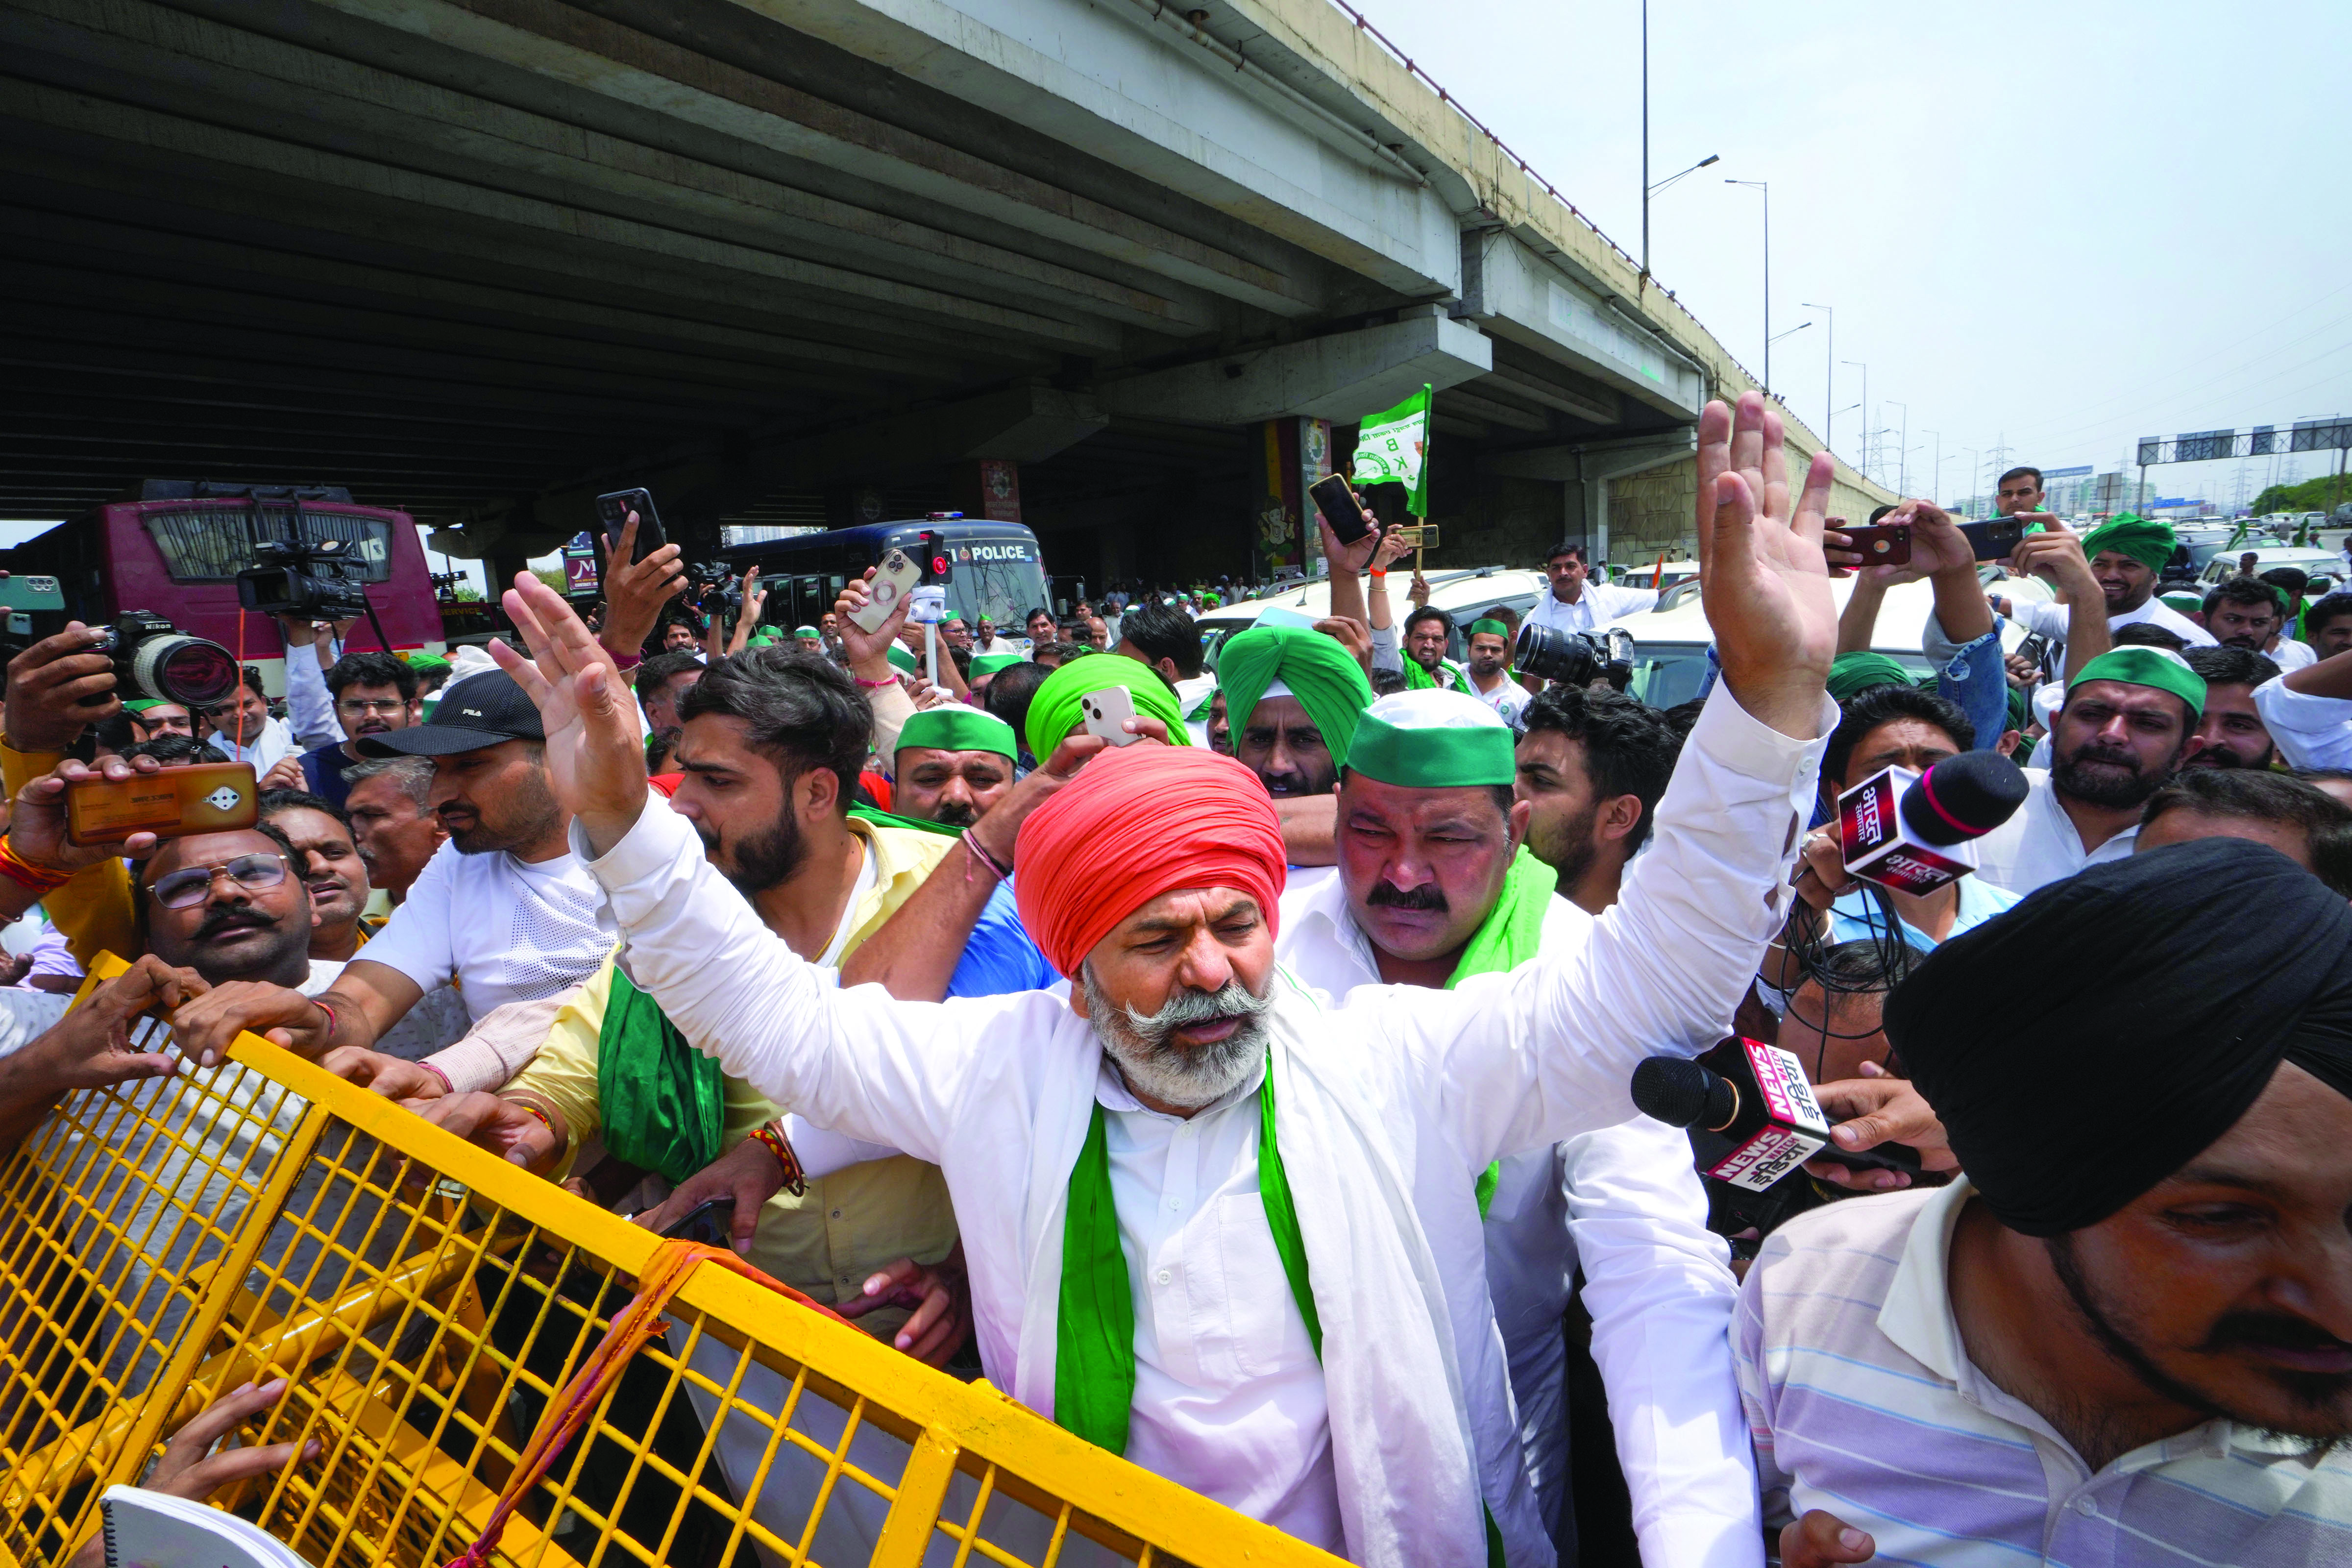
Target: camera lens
187, 670
1548, 653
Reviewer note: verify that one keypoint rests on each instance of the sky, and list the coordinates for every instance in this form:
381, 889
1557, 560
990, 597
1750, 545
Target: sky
2053, 226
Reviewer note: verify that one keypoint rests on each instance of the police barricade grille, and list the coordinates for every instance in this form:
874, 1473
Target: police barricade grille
163, 1243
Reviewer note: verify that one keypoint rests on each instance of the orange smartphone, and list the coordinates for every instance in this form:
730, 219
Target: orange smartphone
202, 797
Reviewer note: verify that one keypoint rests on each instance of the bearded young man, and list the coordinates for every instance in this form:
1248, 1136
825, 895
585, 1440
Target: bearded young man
2126, 554
1309, 1170
2128, 721
2121, 1337
2229, 731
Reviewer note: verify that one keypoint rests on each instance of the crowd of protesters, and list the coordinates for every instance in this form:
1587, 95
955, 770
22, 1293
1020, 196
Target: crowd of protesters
1246, 1088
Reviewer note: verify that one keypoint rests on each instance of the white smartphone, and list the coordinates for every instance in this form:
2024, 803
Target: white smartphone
1107, 712
895, 580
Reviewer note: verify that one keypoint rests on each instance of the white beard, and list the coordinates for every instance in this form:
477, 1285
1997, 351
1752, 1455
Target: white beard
1155, 1066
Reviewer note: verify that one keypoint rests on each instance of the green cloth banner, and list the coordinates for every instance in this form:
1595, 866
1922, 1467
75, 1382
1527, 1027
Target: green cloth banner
1392, 449
664, 1103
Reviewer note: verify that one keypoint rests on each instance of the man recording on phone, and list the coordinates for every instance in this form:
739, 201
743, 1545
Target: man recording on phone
2125, 555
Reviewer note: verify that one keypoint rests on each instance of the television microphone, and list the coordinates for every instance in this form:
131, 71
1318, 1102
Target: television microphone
1755, 1124
1915, 832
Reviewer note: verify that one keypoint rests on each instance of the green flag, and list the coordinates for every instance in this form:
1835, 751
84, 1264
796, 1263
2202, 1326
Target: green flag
1392, 447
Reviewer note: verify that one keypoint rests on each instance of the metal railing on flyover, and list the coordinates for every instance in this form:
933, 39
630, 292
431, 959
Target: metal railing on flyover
164, 1242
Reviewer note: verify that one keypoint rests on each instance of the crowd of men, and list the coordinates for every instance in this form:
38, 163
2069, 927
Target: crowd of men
1247, 1091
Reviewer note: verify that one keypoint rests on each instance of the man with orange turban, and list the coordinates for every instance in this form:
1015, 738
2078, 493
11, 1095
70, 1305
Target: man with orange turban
1215, 1220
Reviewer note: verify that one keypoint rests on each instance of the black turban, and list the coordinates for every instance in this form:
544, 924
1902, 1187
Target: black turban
2086, 1044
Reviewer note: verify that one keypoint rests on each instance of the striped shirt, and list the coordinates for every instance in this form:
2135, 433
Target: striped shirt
1861, 1401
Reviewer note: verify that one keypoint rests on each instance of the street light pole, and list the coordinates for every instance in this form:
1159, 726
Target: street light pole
1903, 449
1829, 393
1649, 190
1766, 187
1646, 138
1937, 482
1865, 411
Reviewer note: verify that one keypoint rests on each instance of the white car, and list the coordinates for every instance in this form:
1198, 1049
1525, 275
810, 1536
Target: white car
2325, 567
1670, 643
1460, 593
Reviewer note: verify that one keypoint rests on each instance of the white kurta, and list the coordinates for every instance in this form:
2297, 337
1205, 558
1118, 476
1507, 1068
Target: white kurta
1624, 1203
1600, 605
2041, 843
1395, 1100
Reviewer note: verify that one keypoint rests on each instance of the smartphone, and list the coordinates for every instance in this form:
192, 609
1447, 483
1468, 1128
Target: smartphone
1417, 536
1105, 713
898, 576
205, 797
1996, 538
613, 510
711, 1223
1336, 499
1883, 545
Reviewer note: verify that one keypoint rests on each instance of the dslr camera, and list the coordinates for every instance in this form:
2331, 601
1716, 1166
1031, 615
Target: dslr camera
155, 661
316, 578
1574, 659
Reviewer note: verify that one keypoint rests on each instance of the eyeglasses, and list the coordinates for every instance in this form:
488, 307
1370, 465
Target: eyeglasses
191, 885
386, 706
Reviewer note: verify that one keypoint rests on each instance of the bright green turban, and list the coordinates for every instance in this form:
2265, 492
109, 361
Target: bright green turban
1053, 710
2157, 667
2142, 538
1852, 674
1315, 669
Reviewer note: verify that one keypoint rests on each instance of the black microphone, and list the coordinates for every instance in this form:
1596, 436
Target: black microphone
1913, 832
1755, 1124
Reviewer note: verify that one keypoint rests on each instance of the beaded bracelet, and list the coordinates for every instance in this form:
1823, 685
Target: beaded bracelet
769, 1138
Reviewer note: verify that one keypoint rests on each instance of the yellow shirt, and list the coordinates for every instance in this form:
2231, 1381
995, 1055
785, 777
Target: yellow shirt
826, 1241
93, 909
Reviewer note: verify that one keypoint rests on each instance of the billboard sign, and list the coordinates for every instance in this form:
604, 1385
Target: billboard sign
2321, 434
2203, 446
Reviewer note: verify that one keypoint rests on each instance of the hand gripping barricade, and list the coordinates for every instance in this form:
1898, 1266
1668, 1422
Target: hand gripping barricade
447, 1324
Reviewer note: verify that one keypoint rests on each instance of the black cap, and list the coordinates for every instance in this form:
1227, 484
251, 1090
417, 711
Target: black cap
479, 710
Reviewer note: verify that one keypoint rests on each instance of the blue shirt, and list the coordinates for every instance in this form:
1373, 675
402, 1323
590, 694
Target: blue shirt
1858, 916
999, 958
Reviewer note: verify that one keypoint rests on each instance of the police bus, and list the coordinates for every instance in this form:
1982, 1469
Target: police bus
992, 570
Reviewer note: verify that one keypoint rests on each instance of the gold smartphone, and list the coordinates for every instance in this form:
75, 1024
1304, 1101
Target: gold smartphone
202, 797
1418, 536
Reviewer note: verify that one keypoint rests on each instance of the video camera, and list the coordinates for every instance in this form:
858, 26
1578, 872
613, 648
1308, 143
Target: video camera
317, 579
1574, 659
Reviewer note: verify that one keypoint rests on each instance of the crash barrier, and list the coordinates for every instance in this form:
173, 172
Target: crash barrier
164, 1242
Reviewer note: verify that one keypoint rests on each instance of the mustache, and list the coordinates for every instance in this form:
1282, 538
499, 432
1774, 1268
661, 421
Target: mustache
1188, 1007
2118, 757
2270, 1330
956, 813
232, 918
1387, 895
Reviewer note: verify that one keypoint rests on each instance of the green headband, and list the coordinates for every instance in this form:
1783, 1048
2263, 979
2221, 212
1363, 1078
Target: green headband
2146, 540
901, 660
424, 663
1490, 629
2157, 667
809, 632
952, 727
1430, 738
990, 663
144, 706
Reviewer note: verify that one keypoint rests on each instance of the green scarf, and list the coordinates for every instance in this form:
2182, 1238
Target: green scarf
664, 1103
1506, 938
1094, 1346
1416, 678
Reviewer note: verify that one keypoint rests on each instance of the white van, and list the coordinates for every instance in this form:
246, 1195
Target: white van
1460, 593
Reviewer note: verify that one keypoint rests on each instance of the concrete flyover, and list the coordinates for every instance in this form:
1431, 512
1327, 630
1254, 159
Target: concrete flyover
810, 261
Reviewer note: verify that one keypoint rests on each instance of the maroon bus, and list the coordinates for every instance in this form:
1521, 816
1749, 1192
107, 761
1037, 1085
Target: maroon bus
176, 547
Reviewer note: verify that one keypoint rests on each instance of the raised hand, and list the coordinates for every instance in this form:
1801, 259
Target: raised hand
1350, 558
595, 763
869, 652
1764, 580
58, 687
635, 591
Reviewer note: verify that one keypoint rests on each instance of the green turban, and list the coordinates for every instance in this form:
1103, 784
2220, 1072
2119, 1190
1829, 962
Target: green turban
2142, 538
2157, 667
1053, 710
1490, 629
2187, 603
809, 634
425, 663
141, 706
1324, 675
2021, 710
954, 727
1852, 674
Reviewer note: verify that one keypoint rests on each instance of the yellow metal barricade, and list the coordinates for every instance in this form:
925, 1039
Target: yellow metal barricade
163, 1243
